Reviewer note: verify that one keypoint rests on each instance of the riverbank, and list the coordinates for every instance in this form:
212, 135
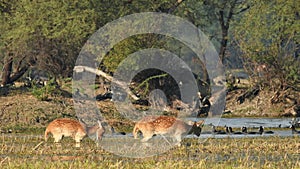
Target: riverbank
19, 109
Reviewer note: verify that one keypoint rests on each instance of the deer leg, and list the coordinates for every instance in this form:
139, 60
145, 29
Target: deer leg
178, 139
77, 144
77, 138
57, 138
147, 136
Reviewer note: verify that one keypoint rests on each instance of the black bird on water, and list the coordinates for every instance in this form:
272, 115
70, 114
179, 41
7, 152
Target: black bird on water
229, 130
245, 131
262, 131
215, 131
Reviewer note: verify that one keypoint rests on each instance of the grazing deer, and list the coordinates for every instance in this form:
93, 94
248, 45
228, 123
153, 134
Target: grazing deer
151, 125
72, 128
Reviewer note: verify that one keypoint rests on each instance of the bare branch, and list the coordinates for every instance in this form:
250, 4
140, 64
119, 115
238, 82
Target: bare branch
175, 6
242, 10
106, 76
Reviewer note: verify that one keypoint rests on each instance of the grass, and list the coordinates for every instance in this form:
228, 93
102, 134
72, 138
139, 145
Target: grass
28, 151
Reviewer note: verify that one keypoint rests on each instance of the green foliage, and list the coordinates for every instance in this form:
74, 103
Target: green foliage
44, 92
267, 35
145, 83
45, 34
122, 50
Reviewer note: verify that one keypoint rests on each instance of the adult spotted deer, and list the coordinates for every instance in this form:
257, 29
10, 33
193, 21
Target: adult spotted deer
166, 125
72, 128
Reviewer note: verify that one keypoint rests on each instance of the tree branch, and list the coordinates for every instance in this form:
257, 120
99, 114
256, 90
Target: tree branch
175, 6
106, 76
242, 10
19, 73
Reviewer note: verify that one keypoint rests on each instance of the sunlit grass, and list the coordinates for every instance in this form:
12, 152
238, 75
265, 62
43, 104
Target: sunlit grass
28, 151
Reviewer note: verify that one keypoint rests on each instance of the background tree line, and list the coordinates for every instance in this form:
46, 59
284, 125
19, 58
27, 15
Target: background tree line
48, 35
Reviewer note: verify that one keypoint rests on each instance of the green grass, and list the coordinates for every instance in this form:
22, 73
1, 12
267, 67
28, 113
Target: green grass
27, 151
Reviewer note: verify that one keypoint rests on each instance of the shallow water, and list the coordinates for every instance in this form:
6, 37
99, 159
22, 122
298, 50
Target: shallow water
252, 124
280, 133
249, 122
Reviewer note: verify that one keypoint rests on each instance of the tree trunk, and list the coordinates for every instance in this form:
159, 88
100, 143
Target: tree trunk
224, 22
7, 69
18, 74
223, 47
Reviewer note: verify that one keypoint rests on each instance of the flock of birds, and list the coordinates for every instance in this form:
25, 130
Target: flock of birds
244, 130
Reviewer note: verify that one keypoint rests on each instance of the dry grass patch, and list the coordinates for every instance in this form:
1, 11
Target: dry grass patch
27, 151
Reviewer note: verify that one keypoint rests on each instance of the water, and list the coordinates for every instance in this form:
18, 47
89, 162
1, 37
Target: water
280, 133
248, 122
252, 124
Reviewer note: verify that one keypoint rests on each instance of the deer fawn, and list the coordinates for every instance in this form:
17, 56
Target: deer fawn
176, 128
72, 128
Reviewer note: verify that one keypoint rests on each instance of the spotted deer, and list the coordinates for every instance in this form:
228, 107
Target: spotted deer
166, 125
72, 128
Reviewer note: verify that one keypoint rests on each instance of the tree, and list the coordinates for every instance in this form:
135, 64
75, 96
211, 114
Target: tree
46, 35
268, 36
214, 18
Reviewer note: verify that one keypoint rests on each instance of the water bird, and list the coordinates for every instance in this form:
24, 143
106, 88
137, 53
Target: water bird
228, 130
294, 131
117, 133
235, 132
245, 131
215, 131
261, 131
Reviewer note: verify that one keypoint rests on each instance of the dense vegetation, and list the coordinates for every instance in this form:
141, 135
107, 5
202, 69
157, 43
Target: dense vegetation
48, 35
260, 37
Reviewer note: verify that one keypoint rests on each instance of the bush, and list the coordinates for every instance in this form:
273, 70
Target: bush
44, 91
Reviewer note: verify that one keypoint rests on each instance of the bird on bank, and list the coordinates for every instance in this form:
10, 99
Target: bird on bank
229, 130
245, 131
215, 131
262, 131
117, 133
